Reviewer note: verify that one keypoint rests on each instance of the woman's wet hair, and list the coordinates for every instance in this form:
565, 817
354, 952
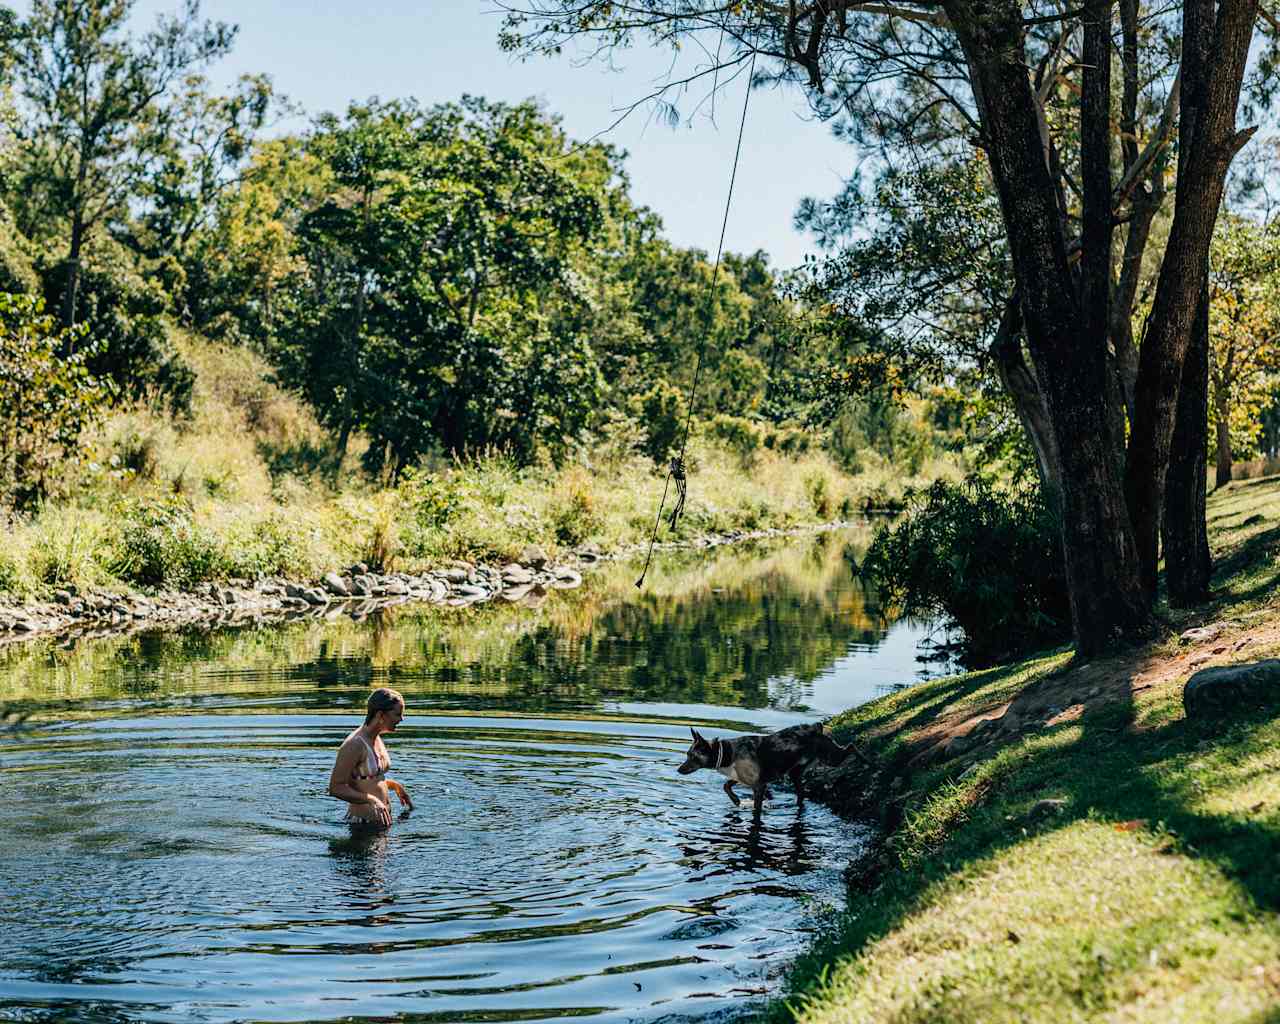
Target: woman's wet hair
382, 699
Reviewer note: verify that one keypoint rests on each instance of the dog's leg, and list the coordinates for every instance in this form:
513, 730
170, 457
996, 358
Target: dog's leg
728, 788
758, 802
797, 780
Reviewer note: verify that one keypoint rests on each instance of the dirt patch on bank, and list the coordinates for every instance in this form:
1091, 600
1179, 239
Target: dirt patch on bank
1079, 690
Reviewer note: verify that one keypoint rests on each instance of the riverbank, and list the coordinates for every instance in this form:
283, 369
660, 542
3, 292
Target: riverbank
246, 495
355, 591
1067, 842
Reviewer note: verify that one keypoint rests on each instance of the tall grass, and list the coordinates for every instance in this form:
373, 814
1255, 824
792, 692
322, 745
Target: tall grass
245, 487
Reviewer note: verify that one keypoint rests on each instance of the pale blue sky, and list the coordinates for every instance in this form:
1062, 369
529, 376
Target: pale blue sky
323, 54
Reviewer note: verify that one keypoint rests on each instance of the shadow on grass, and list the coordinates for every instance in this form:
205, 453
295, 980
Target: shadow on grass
916, 708
1113, 773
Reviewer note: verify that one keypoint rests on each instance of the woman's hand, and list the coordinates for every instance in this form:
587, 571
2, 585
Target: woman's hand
400, 792
382, 813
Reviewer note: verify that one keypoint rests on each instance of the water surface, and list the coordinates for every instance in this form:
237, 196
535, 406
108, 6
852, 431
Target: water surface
169, 852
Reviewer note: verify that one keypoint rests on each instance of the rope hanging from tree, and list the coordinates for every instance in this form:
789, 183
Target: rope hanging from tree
676, 471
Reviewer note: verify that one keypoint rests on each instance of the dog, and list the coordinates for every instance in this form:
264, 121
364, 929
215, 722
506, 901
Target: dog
757, 760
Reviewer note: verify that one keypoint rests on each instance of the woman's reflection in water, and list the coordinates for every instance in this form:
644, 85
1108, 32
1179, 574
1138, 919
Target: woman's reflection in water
360, 860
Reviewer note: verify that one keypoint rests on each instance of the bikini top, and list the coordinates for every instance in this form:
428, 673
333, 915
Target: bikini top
372, 764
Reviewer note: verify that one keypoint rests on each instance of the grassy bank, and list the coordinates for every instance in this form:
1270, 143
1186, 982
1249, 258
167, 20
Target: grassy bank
246, 488
1091, 854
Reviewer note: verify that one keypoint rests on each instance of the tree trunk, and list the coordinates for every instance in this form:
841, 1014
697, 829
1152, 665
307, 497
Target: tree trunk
1213, 61
1222, 428
1020, 382
1069, 348
1187, 561
72, 284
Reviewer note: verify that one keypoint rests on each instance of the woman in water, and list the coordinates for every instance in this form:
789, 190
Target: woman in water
360, 772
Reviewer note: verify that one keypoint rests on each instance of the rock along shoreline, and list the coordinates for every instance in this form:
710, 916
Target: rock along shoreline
355, 592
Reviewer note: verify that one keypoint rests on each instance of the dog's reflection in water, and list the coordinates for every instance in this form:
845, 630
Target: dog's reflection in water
745, 843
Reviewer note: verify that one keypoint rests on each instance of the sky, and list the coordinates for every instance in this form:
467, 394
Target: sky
324, 54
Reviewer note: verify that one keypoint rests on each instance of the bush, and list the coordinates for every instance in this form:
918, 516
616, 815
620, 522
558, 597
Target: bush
661, 415
740, 435
574, 516
817, 486
122, 309
987, 560
48, 397
161, 544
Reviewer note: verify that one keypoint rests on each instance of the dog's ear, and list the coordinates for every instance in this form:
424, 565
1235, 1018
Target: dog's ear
696, 737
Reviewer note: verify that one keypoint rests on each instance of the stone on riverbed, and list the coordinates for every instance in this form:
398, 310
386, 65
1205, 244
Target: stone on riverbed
335, 585
516, 575
1227, 688
564, 578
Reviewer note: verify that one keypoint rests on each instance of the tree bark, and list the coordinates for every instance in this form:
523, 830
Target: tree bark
1020, 382
1068, 346
72, 285
1214, 56
1223, 462
1187, 561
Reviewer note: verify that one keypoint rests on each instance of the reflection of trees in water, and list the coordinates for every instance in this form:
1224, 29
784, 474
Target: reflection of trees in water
711, 628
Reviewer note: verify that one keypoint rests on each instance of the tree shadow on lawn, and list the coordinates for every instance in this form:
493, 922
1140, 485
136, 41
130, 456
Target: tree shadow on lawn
1259, 550
1117, 772
917, 707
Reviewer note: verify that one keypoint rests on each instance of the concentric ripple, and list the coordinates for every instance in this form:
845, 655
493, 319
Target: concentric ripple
168, 853
191, 868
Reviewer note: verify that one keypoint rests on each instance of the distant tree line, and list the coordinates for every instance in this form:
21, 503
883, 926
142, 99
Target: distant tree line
438, 280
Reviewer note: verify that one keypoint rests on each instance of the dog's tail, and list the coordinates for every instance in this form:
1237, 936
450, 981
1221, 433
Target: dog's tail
832, 753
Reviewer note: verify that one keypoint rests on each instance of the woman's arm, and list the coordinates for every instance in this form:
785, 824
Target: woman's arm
400, 791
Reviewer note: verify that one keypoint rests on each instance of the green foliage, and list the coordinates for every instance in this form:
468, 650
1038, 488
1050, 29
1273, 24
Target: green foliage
741, 435
662, 416
574, 515
123, 311
441, 306
990, 561
161, 544
270, 546
1244, 322
48, 396
740, 380
95, 116
818, 487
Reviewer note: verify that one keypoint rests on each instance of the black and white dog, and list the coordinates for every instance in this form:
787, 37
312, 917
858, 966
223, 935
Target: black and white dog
756, 760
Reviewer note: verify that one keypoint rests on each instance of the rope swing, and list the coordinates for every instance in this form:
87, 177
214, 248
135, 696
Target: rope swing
676, 470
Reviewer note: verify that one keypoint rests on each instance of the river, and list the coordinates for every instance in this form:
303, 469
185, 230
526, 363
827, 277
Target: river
169, 852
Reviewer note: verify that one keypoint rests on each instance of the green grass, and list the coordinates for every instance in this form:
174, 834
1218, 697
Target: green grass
1150, 893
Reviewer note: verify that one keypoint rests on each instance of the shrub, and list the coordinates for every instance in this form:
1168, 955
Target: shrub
818, 487
429, 502
574, 516
160, 543
122, 308
48, 398
661, 416
989, 561
739, 434
272, 546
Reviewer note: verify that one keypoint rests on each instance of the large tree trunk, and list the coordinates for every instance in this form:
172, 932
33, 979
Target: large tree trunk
1214, 52
1187, 562
1068, 346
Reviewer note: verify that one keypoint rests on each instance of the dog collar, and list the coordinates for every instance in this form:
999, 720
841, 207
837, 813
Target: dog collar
724, 753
